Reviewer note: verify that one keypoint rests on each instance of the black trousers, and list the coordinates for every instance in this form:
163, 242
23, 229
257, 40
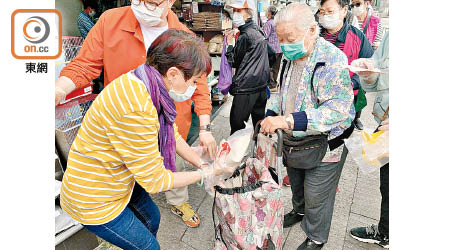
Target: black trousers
245, 105
274, 70
383, 225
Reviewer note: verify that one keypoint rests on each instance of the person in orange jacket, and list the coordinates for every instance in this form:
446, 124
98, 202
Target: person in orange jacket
119, 42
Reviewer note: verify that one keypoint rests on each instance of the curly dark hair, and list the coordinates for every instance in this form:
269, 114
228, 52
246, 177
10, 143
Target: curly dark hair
90, 3
180, 49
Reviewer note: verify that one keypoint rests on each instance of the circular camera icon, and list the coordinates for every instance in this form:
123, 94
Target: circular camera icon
36, 29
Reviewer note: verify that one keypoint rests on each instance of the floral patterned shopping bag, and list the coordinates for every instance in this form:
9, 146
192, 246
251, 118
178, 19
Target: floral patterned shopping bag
250, 216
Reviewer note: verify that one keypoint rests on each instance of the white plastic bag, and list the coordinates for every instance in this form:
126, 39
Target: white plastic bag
369, 150
230, 153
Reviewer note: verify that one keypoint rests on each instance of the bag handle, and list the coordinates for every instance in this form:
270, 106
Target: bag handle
239, 190
279, 136
217, 229
367, 24
382, 118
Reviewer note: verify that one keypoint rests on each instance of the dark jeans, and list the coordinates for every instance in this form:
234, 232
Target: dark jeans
383, 225
245, 105
313, 194
136, 227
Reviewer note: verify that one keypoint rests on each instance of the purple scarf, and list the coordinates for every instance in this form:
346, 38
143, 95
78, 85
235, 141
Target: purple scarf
166, 112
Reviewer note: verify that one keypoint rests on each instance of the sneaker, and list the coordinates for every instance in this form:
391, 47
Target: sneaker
309, 244
370, 234
286, 181
292, 218
358, 124
189, 216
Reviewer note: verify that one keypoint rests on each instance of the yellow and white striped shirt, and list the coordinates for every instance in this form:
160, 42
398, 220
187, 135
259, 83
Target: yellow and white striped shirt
116, 145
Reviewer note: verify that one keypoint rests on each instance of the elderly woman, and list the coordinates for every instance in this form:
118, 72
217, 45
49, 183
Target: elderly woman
126, 146
315, 104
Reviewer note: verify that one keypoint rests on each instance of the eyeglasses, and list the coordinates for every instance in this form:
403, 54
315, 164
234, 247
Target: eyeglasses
150, 5
355, 5
327, 12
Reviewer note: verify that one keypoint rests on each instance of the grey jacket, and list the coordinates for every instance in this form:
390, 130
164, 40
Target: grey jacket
381, 86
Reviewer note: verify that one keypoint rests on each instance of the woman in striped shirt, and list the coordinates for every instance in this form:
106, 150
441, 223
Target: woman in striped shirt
127, 143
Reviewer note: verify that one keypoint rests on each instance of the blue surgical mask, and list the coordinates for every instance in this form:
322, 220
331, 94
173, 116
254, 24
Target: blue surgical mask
294, 51
184, 96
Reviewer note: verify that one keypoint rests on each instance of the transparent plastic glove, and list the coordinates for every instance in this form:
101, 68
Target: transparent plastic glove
366, 63
206, 139
384, 125
214, 174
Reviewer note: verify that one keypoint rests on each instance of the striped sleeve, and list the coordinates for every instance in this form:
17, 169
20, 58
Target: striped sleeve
135, 138
379, 35
84, 25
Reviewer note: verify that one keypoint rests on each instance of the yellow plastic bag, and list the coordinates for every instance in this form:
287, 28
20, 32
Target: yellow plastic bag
369, 150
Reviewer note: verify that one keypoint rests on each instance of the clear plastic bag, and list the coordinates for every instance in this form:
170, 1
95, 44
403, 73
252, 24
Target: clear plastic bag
230, 153
369, 150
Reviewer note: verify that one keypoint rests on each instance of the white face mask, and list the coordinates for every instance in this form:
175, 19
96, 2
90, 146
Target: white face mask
92, 13
184, 96
238, 19
177, 97
146, 17
358, 11
330, 21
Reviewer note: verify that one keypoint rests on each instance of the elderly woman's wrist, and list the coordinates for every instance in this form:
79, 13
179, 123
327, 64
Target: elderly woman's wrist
300, 121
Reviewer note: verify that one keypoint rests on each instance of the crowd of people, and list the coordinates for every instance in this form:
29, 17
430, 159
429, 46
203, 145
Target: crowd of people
155, 68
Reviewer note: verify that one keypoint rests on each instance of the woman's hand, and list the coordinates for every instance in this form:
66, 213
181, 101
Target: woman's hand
384, 125
366, 63
229, 34
272, 123
207, 141
219, 169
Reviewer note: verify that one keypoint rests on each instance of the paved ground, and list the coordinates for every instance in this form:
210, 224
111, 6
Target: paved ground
357, 204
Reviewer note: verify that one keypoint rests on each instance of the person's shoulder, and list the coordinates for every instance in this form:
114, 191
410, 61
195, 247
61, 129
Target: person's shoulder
329, 53
357, 33
117, 13
132, 94
374, 17
174, 22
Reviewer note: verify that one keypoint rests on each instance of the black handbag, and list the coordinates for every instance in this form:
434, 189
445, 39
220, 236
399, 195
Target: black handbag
306, 152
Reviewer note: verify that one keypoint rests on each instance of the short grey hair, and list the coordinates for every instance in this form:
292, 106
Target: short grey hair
249, 11
298, 13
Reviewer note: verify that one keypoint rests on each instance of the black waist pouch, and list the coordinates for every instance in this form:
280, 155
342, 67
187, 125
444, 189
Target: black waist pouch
304, 153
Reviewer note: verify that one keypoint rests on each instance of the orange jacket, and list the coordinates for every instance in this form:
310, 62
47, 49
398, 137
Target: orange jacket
116, 43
